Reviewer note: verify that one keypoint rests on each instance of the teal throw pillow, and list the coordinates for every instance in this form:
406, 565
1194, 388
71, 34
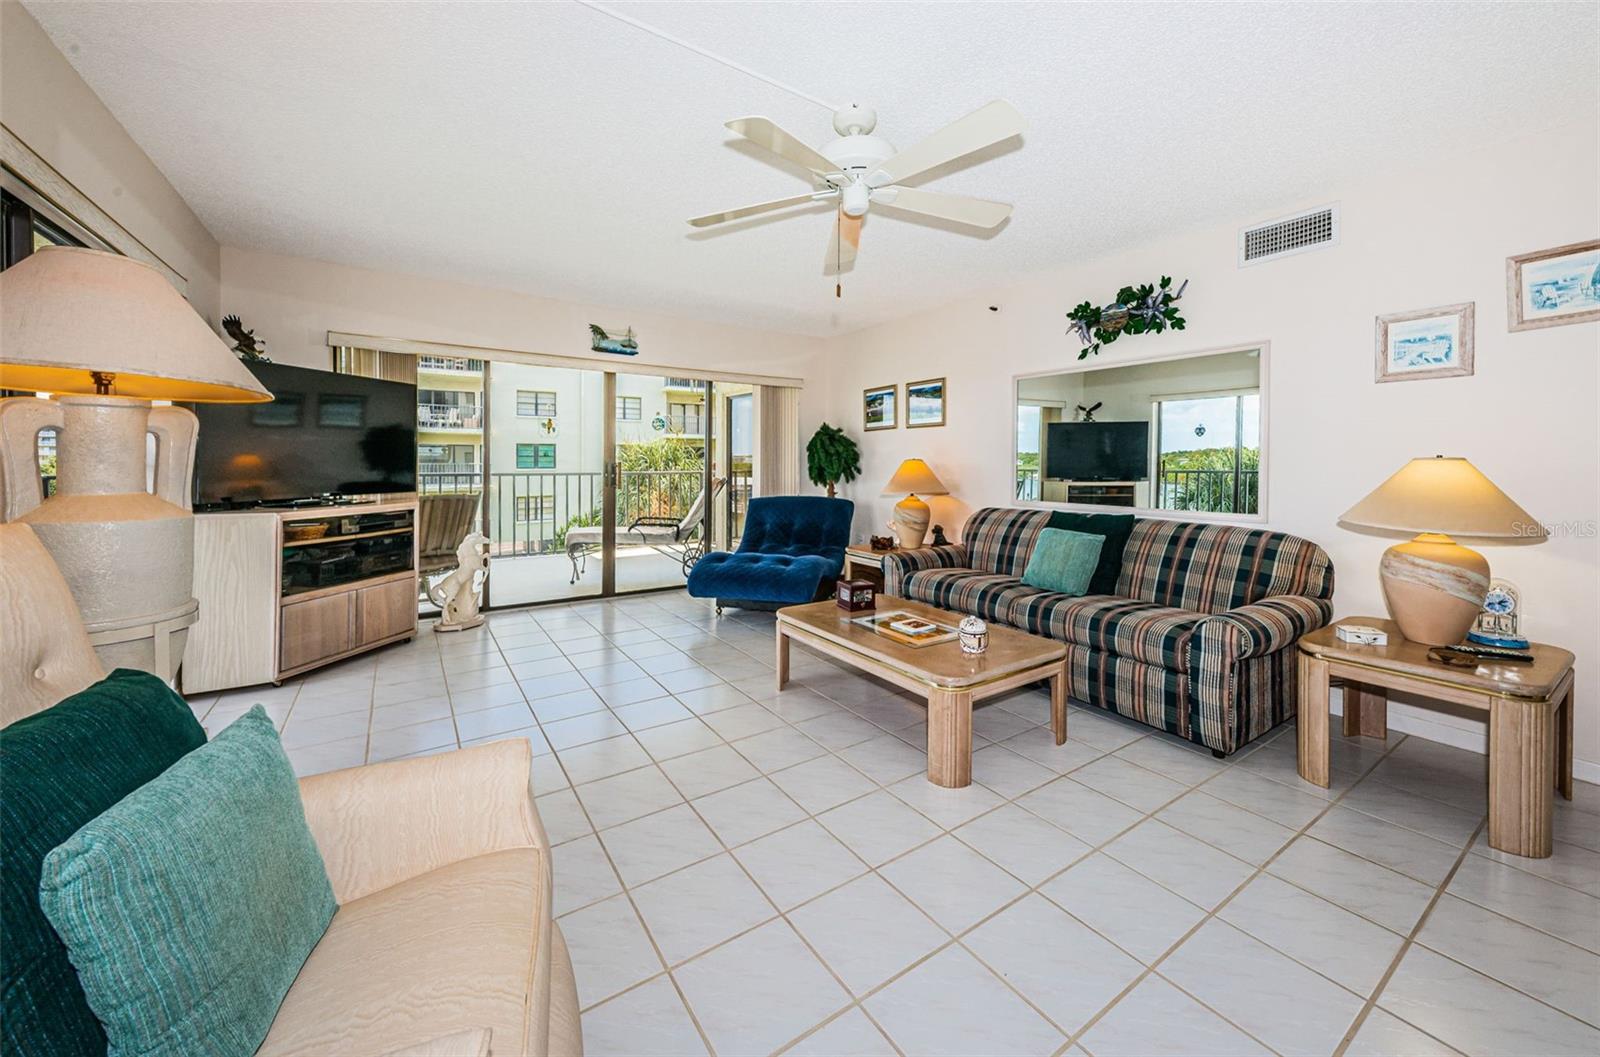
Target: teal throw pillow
62, 767
1116, 528
189, 907
1063, 561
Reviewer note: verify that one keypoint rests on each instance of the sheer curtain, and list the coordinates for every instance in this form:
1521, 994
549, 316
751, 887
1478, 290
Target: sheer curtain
777, 455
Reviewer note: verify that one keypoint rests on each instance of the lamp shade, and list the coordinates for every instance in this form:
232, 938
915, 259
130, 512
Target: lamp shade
1444, 495
913, 476
67, 313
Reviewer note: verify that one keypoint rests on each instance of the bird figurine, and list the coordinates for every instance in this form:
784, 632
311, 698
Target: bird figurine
1088, 412
245, 343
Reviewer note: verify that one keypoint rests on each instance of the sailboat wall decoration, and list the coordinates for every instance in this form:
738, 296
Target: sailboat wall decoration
600, 341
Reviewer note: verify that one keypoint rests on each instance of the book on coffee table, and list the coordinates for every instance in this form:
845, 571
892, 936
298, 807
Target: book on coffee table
908, 629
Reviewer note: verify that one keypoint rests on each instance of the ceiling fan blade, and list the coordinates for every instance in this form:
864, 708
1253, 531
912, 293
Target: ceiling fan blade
843, 244
763, 132
983, 127
978, 212
750, 211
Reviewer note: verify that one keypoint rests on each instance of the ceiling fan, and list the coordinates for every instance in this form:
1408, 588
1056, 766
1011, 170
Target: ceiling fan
861, 168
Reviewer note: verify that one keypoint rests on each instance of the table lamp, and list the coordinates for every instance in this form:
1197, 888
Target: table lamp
910, 522
1434, 586
105, 335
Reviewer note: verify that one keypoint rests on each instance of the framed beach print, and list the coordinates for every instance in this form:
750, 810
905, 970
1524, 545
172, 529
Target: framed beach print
1550, 288
925, 403
880, 407
1430, 343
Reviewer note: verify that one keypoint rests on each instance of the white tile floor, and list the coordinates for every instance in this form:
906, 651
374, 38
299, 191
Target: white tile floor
744, 872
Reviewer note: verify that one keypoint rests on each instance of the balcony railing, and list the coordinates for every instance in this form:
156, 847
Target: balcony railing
450, 364
1210, 491
1027, 483
570, 500
449, 416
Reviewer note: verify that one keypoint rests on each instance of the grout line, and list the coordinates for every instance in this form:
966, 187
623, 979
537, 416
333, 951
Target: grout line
1405, 945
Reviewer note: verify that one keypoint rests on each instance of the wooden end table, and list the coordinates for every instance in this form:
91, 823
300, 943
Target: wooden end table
861, 562
1528, 708
948, 679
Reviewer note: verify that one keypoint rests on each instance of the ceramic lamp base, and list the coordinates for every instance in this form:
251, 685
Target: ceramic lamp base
1435, 588
910, 524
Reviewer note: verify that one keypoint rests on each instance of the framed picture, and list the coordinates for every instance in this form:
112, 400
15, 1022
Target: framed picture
1431, 343
1554, 287
879, 407
925, 403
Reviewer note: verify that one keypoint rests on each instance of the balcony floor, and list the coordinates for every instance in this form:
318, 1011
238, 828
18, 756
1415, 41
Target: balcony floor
543, 577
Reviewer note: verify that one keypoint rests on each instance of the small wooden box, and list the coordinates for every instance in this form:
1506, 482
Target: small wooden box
855, 596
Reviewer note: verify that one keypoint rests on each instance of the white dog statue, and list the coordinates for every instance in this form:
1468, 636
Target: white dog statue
457, 594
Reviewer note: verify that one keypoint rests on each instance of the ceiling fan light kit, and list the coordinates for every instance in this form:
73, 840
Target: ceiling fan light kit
861, 168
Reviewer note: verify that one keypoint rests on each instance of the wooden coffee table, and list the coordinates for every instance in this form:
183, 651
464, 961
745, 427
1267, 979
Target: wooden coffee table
1528, 708
948, 679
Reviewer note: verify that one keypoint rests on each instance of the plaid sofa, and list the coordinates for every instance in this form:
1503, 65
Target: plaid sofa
1197, 641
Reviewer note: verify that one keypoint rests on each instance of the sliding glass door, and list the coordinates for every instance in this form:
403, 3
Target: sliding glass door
663, 435
586, 483
546, 449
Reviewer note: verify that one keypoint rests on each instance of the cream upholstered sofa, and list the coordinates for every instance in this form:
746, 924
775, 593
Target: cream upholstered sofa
443, 944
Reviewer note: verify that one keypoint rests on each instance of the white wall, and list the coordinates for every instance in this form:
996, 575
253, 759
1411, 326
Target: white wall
1428, 235
48, 106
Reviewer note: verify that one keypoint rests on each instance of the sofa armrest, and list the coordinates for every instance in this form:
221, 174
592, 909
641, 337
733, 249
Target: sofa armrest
381, 824
1262, 627
897, 565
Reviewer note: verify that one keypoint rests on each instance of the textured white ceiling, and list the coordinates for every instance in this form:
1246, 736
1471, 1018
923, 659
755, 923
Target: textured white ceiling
549, 148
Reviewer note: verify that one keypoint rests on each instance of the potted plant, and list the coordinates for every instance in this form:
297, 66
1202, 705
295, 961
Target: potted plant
831, 457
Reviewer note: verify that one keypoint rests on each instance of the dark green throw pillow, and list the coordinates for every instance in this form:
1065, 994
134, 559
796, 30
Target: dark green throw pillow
1116, 528
189, 907
63, 767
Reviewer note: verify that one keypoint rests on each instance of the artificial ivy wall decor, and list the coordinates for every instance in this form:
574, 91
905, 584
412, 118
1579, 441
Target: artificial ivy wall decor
1137, 310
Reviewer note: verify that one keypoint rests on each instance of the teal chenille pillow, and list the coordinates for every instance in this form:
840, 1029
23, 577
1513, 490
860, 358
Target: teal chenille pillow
1063, 561
189, 907
1116, 528
62, 767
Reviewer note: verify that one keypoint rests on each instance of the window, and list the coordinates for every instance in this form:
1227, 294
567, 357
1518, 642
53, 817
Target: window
1209, 453
536, 456
24, 229
686, 418
433, 453
536, 403
629, 409
532, 508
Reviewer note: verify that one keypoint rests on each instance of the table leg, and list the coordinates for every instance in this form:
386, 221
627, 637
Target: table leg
1522, 747
1312, 724
950, 738
1366, 711
1058, 704
781, 667
1563, 746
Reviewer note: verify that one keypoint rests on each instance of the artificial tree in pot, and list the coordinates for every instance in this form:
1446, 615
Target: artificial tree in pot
831, 457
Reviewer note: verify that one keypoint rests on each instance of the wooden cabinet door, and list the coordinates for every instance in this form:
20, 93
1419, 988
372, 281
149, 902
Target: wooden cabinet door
385, 610
315, 630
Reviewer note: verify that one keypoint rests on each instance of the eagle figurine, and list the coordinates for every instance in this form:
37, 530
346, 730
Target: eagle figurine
245, 343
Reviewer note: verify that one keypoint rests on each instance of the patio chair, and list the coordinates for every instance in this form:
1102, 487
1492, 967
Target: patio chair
443, 521
678, 538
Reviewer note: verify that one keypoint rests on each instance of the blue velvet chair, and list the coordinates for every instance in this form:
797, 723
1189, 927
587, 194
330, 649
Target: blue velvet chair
791, 552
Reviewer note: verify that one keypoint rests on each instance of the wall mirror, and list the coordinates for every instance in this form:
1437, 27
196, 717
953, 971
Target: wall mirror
1174, 435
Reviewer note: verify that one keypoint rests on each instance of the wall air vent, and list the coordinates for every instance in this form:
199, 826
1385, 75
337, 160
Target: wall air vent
1314, 229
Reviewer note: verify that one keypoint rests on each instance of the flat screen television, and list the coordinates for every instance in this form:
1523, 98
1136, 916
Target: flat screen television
1097, 451
323, 435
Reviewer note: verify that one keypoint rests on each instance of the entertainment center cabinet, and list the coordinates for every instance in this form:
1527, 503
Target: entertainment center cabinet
284, 591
